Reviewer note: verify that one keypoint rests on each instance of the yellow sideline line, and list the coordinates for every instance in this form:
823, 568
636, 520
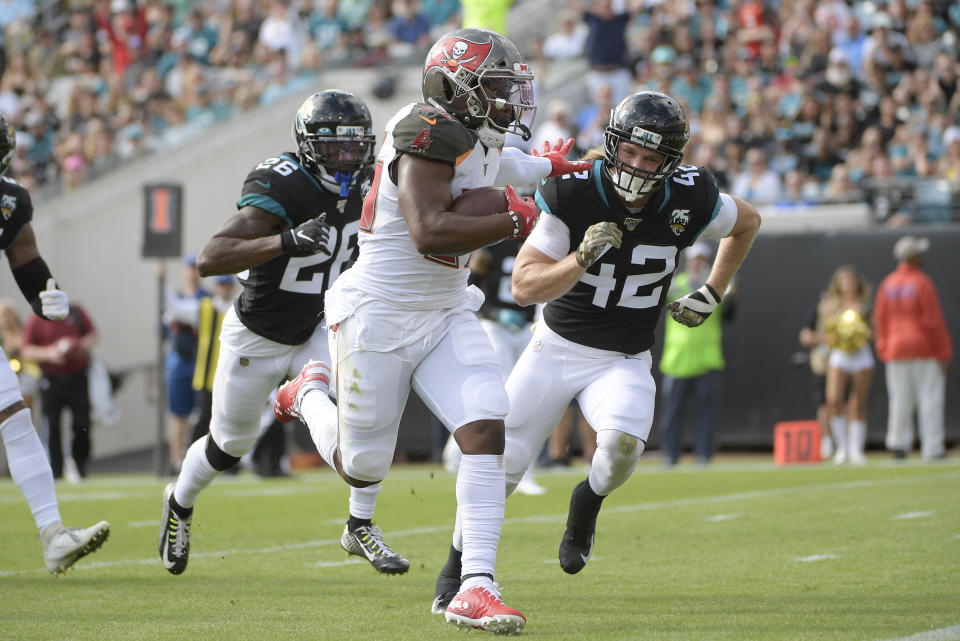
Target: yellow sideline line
544, 518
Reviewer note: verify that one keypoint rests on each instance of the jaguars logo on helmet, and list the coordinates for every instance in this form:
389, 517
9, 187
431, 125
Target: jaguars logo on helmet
479, 77
651, 120
333, 130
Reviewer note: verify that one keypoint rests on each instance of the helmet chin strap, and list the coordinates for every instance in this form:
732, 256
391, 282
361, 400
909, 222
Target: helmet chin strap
339, 183
491, 137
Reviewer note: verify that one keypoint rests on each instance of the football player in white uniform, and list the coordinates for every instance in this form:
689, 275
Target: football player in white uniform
29, 465
403, 316
602, 259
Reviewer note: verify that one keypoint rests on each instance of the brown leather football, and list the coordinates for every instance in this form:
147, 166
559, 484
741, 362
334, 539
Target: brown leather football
481, 201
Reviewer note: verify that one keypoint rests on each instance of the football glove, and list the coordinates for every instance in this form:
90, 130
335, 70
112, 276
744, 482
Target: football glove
307, 239
557, 155
696, 307
596, 240
523, 210
54, 304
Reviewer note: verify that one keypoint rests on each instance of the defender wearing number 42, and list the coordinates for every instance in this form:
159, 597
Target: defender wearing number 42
602, 258
294, 234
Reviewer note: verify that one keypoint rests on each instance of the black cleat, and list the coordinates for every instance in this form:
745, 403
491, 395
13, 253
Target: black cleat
174, 542
576, 548
367, 541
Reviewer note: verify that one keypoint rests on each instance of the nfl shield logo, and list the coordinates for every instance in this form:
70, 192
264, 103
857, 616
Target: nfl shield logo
631, 223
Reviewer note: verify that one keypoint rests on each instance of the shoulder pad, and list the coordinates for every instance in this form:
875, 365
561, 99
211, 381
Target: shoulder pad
433, 134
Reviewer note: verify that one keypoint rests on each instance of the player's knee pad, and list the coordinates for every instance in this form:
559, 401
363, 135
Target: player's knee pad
516, 460
370, 465
614, 461
218, 459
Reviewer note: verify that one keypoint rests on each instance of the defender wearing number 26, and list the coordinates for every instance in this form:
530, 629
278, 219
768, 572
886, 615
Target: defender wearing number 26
294, 233
601, 258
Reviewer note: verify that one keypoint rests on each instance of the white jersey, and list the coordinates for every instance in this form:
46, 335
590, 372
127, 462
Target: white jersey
389, 267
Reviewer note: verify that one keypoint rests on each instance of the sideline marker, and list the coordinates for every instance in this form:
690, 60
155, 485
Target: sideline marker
796, 442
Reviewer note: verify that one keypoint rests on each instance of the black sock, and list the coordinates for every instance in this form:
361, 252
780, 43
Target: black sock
584, 507
448, 581
353, 522
179, 510
470, 576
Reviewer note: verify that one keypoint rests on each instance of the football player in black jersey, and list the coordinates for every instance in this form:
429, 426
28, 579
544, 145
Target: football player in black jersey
602, 257
28, 462
294, 233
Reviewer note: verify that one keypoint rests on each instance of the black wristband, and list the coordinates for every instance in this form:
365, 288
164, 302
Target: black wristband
32, 279
712, 291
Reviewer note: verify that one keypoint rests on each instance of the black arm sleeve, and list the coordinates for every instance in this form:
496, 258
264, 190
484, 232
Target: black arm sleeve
32, 279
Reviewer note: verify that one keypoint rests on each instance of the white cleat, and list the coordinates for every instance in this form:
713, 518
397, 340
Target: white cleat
529, 486
62, 547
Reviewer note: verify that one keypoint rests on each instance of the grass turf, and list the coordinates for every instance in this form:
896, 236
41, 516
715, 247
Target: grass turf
739, 550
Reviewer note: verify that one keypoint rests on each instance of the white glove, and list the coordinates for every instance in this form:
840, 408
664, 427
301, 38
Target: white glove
696, 307
54, 303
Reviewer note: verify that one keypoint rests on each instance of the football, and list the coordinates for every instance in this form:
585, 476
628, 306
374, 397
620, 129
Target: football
481, 201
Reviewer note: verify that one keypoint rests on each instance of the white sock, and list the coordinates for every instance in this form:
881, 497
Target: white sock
838, 427
858, 436
196, 474
363, 501
30, 468
458, 532
481, 501
320, 415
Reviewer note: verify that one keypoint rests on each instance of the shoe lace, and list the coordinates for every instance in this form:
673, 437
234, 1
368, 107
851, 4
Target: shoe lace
372, 537
179, 533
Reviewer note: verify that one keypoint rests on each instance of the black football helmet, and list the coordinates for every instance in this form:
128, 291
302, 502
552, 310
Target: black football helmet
652, 120
334, 134
479, 77
8, 143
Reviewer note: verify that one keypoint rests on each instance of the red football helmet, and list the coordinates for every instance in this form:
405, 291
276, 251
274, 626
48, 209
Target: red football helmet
479, 77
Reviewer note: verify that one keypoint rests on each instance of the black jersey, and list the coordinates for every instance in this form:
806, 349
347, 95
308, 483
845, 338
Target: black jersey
499, 304
16, 210
282, 299
616, 304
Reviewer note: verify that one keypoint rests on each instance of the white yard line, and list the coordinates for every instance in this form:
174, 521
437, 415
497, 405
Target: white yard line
912, 515
722, 517
150, 523
951, 633
549, 518
815, 557
334, 564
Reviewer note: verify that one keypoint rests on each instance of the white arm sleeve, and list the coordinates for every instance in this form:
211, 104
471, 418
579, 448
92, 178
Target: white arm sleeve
724, 220
551, 236
518, 168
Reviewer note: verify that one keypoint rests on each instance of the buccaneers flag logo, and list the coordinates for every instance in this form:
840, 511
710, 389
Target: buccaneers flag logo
456, 53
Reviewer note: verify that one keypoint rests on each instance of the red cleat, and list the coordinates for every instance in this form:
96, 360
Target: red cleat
315, 375
481, 608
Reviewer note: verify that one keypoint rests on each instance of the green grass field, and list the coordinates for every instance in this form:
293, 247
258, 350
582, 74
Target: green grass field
741, 550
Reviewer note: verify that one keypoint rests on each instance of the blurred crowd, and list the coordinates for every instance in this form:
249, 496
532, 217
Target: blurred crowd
791, 102
90, 84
